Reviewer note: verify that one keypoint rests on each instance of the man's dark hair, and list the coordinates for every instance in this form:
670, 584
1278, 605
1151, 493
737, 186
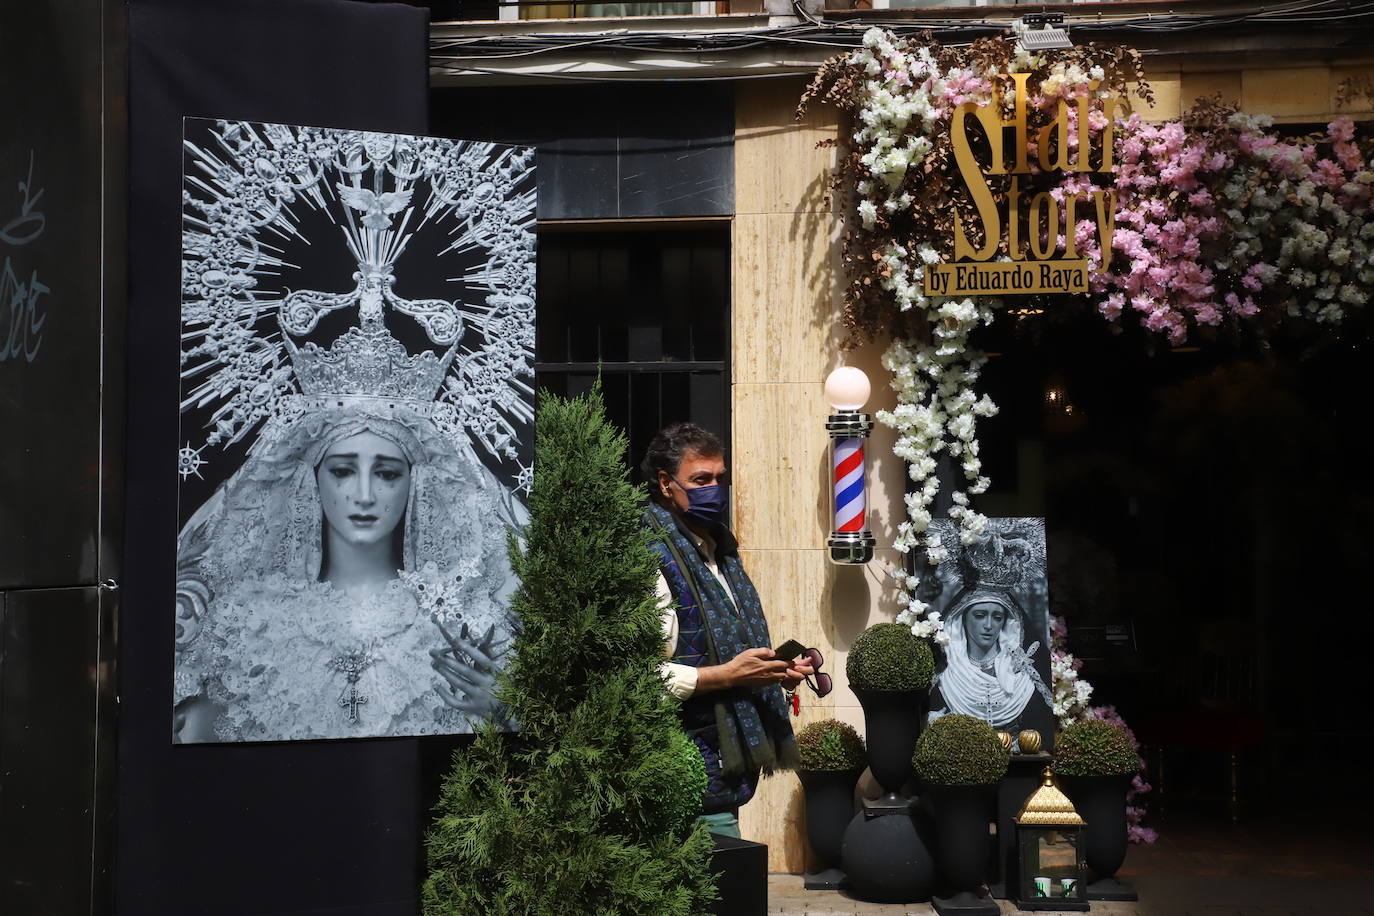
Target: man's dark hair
666, 451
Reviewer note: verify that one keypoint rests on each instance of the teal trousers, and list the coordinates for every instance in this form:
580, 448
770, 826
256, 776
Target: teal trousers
726, 823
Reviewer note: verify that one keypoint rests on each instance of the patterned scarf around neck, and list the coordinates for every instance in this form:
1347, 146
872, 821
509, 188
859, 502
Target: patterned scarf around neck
755, 732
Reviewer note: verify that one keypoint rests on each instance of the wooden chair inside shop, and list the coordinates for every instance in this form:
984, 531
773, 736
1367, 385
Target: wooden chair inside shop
1212, 698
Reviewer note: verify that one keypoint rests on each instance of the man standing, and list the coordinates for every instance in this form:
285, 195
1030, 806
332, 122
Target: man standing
722, 666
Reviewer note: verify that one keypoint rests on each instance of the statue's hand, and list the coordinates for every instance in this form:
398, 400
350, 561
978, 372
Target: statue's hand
469, 671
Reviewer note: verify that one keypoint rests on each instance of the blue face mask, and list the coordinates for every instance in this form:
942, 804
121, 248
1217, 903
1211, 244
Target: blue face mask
706, 505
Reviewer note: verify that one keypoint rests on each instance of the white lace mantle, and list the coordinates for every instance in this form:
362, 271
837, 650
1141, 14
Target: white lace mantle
270, 655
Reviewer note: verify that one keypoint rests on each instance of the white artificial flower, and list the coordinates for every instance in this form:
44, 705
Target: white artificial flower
868, 214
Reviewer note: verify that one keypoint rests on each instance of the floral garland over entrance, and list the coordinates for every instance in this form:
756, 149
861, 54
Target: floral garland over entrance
1217, 220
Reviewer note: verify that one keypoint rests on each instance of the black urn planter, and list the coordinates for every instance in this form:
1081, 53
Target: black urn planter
829, 808
1101, 801
892, 723
887, 859
962, 847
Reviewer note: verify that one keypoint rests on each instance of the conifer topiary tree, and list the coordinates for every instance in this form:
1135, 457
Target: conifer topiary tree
590, 807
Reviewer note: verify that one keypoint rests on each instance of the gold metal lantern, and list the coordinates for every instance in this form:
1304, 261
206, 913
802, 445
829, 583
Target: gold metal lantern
1049, 837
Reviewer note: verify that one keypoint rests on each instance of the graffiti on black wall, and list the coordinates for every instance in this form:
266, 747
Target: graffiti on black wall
22, 309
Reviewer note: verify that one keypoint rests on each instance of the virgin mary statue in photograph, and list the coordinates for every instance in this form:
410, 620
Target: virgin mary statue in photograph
349, 577
993, 598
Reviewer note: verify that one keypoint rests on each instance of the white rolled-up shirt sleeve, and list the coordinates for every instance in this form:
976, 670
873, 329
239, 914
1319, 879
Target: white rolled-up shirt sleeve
681, 679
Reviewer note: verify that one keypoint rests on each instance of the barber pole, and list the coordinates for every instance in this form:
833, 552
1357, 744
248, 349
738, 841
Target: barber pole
850, 543
849, 485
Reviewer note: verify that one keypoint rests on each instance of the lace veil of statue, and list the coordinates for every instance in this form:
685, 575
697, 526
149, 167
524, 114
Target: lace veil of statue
965, 687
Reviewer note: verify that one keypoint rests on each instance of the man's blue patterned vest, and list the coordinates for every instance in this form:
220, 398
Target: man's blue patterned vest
698, 713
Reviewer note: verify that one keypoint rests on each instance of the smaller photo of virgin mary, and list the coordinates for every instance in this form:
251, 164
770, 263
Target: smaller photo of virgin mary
993, 598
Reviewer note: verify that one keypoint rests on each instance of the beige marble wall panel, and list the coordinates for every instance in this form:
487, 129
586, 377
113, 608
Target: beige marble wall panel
778, 168
780, 456
788, 282
1224, 83
777, 816
1358, 105
1291, 92
796, 339
1165, 87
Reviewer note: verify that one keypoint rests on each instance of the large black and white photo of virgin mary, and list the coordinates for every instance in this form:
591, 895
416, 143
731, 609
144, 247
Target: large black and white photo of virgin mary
356, 425
993, 598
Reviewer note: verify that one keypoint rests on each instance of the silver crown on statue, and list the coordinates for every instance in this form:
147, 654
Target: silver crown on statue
1009, 551
368, 364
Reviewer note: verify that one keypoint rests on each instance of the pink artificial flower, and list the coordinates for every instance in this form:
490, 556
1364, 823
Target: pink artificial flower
1208, 314
1137, 834
1348, 154
1342, 129
1112, 305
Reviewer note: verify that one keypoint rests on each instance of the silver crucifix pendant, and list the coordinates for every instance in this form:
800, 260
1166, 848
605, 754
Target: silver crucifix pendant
352, 664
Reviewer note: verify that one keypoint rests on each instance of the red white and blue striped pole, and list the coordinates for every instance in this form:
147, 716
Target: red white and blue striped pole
850, 542
850, 513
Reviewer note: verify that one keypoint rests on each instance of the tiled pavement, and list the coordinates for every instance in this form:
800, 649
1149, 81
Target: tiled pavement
1159, 896
1195, 869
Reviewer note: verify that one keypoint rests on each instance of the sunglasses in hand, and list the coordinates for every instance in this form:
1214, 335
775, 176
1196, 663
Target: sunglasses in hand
822, 685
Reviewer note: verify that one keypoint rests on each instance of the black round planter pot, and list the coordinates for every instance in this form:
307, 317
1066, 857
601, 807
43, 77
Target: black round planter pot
887, 857
829, 808
962, 815
892, 723
1101, 801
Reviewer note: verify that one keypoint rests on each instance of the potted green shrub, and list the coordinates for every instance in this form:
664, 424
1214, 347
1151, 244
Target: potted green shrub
885, 856
832, 757
959, 761
1095, 762
889, 670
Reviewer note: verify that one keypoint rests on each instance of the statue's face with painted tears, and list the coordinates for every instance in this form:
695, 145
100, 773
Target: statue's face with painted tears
983, 623
364, 483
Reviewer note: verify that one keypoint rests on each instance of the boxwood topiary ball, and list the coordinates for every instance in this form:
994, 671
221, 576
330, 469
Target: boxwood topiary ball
830, 745
682, 782
959, 750
887, 656
1094, 748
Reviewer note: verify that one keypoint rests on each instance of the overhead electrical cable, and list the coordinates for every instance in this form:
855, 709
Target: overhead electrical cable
481, 54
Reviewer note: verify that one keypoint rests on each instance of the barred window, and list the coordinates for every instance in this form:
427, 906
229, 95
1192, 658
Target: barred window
648, 305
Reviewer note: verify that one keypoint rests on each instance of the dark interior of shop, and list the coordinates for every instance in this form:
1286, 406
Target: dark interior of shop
1207, 510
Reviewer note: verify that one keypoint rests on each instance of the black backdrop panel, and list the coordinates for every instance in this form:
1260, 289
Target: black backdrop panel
610, 151
324, 828
48, 748
50, 296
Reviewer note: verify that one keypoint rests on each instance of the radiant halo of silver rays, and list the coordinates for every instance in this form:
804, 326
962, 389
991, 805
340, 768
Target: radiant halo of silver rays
245, 189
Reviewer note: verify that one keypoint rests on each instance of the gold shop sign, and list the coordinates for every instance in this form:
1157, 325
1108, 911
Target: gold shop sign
1028, 230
